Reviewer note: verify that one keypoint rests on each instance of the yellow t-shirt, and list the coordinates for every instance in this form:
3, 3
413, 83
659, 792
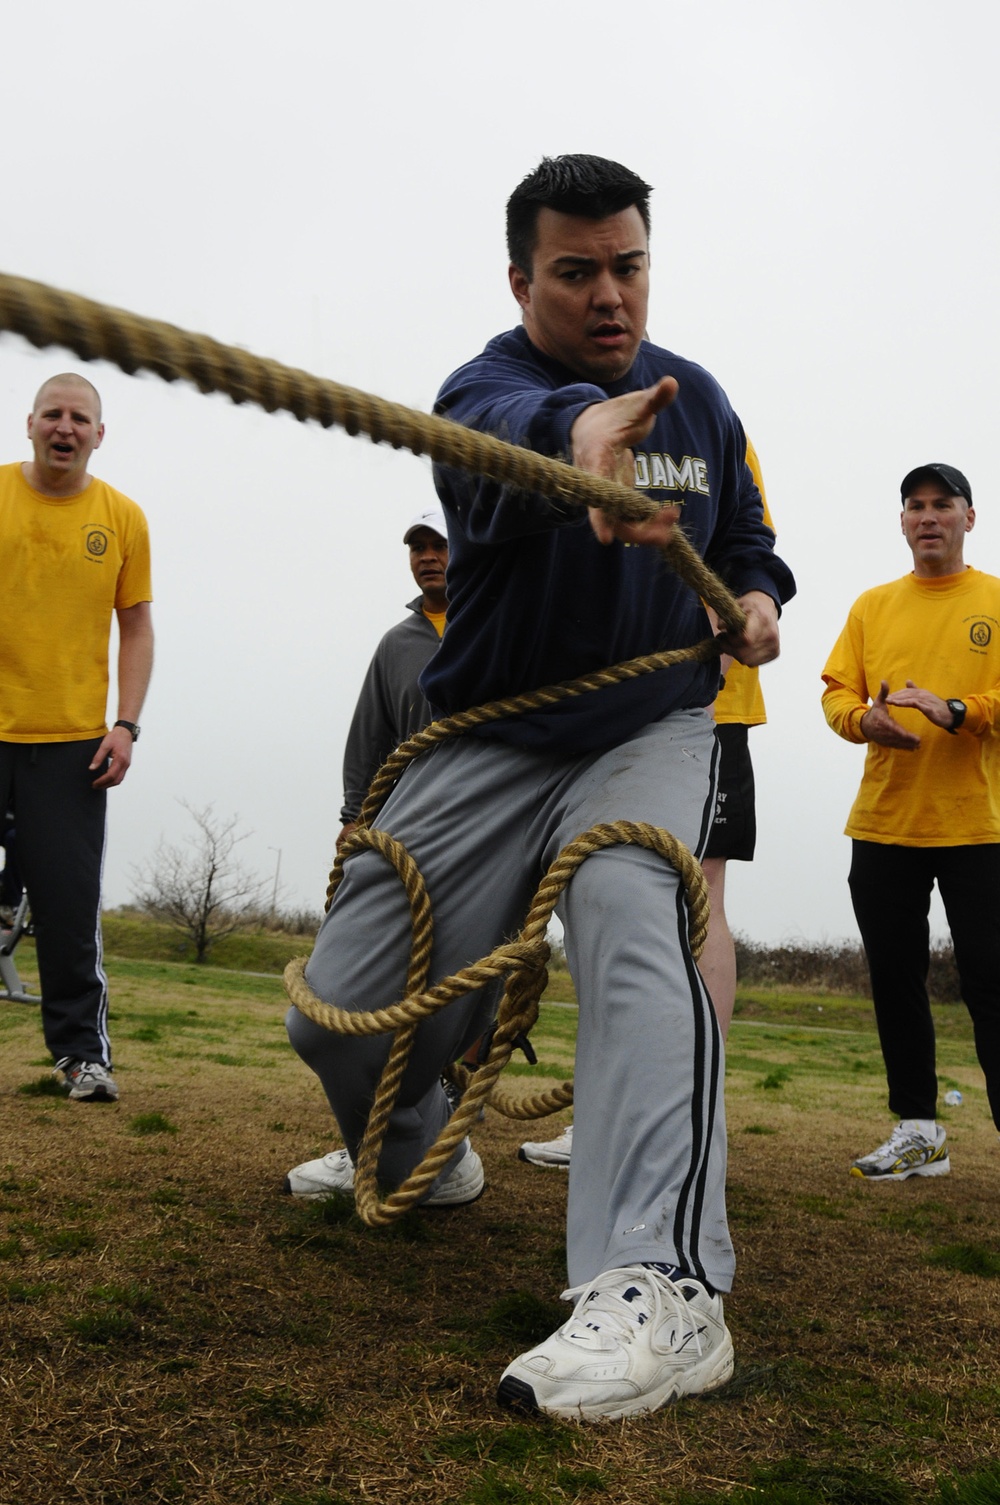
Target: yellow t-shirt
944, 635
67, 564
740, 698
437, 620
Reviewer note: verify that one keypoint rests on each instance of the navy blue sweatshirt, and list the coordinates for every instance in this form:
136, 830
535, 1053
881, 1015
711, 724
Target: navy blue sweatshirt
534, 598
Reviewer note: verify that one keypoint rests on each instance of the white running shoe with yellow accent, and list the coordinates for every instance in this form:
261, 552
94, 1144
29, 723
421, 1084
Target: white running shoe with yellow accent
905, 1153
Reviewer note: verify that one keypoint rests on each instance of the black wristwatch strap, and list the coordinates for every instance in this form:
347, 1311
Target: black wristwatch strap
130, 726
957, 709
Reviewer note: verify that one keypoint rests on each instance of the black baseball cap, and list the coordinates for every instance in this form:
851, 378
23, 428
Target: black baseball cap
952, 478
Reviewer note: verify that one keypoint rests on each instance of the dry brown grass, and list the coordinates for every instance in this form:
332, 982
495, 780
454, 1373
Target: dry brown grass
176, 1330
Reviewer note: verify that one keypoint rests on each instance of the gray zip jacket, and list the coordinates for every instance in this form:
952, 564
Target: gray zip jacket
390, 707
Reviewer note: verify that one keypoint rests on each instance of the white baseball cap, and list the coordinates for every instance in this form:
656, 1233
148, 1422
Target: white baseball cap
432, 518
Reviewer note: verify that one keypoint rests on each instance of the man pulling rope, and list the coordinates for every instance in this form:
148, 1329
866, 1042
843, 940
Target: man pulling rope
541, 592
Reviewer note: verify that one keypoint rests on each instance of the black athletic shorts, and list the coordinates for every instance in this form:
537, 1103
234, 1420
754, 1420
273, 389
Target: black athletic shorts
734, 829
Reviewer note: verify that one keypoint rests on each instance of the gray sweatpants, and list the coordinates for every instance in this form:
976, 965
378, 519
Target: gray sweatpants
483, 820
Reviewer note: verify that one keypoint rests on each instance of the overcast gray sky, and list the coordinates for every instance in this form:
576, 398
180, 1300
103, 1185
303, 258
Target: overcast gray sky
325, 184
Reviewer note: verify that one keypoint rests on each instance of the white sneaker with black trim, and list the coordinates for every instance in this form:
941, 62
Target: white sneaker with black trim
335, 1172
637, 1340
88, 1081
905, 1153
549, 1152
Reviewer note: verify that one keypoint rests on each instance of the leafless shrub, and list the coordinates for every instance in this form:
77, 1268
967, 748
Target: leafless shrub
201, 888
299, 921
835, 967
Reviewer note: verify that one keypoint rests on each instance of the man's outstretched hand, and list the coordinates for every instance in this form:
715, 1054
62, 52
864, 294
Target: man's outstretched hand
602, 438
932, 706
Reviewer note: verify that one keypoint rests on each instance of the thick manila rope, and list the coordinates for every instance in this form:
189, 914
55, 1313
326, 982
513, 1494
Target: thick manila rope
48, 316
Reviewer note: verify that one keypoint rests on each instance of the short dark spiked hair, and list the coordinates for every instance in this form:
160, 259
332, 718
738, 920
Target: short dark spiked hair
592, 187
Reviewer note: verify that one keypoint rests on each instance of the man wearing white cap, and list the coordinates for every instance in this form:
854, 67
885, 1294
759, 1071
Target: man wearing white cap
391, 707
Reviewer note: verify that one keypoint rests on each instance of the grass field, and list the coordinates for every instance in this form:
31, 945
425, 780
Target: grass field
177, 1330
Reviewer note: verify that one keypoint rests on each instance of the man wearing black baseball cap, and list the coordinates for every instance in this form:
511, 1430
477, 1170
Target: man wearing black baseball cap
916, 675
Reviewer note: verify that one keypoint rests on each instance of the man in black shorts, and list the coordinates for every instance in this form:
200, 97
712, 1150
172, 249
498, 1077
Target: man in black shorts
733, 837
738, 706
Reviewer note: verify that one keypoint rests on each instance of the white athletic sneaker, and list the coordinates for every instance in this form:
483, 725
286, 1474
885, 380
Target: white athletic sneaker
335, 1172
549, 1152
88, 1081
462, 1185
905, 1153
321, 1178
636, 1340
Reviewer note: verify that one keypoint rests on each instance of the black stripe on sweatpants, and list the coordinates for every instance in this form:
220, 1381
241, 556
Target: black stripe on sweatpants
706, 1031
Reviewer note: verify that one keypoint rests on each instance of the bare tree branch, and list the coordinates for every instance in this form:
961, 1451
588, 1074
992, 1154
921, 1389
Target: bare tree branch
200, 888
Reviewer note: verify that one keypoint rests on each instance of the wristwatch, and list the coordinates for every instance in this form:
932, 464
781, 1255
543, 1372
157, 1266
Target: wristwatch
130, 726
957, 709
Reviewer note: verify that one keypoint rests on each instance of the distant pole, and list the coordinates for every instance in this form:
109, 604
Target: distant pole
277, 873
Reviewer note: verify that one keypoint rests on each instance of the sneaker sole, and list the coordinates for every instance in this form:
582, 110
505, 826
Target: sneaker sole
446, 1206
468, 1195
460, 1195
99, 1095
939, 1168
548, 1165
345, 1191
714, 1372
319, 1194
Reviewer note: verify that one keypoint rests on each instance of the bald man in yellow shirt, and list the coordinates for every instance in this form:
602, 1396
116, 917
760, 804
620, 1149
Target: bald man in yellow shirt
75, 552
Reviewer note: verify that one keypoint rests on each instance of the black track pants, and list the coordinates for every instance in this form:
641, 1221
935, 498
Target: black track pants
60, 827
891, 890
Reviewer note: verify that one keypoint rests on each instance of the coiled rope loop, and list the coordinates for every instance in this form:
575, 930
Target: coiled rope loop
522, 962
